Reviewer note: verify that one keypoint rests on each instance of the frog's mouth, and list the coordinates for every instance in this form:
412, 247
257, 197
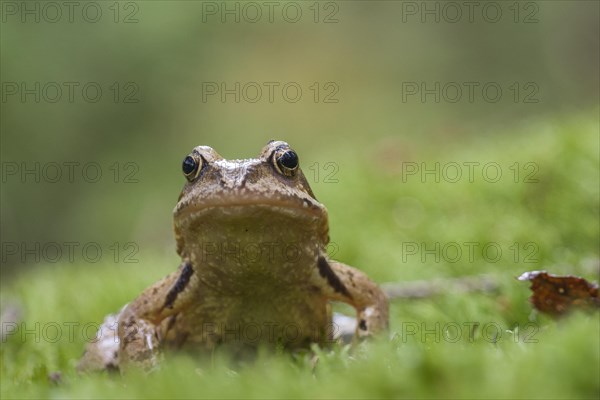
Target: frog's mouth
241, 205
247, 208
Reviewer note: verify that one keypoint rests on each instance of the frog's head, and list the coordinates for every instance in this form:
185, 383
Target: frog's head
266, 197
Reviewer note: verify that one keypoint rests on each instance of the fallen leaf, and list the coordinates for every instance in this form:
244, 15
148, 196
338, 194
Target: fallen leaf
556, 295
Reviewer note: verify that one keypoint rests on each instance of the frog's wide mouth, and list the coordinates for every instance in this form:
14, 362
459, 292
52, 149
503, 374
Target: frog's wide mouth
246, 207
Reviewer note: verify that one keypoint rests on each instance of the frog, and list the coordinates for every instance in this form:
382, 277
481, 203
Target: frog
254, 269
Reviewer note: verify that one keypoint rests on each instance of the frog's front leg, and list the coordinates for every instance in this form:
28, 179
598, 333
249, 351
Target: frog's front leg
132, 334
138, 323
349, 285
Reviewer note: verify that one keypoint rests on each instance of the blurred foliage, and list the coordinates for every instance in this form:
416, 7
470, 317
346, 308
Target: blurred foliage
170, 51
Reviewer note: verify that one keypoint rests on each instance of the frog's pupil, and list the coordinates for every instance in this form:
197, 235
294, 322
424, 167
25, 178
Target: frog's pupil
189, 165
289, 159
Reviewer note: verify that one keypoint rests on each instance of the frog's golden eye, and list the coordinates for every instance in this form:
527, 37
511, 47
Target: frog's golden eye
287, 162
191, 166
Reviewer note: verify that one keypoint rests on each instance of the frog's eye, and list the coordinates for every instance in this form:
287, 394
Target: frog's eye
191, 167
287, 162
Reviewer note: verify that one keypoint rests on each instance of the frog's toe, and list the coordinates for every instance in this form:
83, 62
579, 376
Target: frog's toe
139, 343
103, 352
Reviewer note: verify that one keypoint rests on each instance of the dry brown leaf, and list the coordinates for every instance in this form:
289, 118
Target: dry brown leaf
556, 295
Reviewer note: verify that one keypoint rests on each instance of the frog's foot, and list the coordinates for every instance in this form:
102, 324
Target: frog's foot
103, 352
139, 344
341, 282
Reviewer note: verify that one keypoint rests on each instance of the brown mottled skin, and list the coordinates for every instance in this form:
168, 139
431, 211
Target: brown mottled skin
254, 270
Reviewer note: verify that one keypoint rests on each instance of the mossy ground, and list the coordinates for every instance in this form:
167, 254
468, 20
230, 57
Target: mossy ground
433, 350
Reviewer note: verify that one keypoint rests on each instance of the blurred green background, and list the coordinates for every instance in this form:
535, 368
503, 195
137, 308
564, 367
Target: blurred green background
154, 62
369, 53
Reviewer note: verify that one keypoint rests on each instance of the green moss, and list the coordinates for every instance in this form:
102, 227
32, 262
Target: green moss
478, 345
